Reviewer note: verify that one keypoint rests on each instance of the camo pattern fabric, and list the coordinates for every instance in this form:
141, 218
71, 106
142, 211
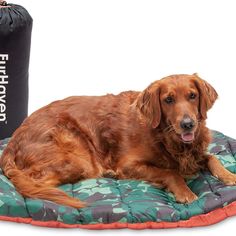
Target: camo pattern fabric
127, 200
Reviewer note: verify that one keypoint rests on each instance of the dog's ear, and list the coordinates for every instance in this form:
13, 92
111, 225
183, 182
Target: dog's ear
148, 102
207, 95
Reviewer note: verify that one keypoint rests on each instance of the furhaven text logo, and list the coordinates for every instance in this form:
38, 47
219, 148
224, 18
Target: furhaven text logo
3, 87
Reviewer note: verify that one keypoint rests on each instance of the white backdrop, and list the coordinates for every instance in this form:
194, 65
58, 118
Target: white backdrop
94, 47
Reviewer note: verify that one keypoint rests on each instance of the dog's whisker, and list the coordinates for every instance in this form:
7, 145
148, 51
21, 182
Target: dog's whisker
168, 128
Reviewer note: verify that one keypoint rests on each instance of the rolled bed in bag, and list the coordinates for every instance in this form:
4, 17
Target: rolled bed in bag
15, 39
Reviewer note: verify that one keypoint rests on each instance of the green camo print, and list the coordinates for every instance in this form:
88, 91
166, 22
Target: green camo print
127, 200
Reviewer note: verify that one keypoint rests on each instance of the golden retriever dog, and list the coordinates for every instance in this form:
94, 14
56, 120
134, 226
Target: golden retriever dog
157, 135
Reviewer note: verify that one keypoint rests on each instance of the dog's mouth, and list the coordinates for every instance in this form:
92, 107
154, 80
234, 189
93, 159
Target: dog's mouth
187, 137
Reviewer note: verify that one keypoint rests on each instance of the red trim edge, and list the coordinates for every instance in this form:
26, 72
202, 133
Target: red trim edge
210, 218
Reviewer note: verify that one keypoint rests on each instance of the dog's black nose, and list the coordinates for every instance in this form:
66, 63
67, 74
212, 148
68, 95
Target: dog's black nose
187, 124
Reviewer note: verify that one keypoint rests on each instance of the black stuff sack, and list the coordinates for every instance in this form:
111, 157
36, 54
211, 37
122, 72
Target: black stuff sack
15, 39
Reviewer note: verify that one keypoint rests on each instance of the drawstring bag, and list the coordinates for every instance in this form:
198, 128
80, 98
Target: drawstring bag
15, 38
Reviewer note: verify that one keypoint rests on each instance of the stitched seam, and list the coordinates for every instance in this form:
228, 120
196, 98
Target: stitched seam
214, 192
73, 195
125, 203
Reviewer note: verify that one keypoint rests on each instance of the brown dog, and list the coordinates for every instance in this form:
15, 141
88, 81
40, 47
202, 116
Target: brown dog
158, 135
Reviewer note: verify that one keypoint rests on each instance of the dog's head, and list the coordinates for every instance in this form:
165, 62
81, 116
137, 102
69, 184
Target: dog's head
179, 102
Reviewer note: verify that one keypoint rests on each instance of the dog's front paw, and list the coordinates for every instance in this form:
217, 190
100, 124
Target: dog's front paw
186, 197
229, 179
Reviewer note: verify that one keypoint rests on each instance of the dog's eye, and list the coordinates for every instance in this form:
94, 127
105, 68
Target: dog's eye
169, 100
192, 96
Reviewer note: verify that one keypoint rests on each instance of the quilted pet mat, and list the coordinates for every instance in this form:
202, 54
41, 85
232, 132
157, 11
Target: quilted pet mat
129, 204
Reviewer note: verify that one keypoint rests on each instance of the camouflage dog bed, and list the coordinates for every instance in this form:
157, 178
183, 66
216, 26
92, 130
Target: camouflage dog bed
129, 204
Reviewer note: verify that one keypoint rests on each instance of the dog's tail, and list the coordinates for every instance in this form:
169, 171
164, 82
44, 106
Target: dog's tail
30, 187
